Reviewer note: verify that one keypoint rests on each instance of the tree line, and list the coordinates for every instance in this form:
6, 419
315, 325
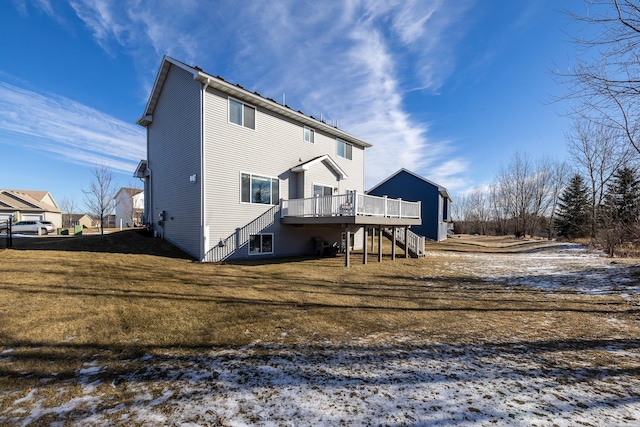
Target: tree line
596, 195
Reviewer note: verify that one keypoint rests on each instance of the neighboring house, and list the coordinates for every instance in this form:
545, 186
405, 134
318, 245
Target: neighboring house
436, 201
231, 174
25, 205
81, 219
129, 207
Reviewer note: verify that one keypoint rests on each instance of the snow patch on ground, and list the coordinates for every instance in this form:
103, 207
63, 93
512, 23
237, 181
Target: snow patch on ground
566, 268
383, 380
359, 385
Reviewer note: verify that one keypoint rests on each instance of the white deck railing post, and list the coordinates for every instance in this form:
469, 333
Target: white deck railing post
315, 205
385, 205
355, 203
399, 208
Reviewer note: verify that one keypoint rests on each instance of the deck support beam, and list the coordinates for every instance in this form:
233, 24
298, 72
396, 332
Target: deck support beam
373, 237
406, 242
364, 244
379, 243
393, 243
347, 252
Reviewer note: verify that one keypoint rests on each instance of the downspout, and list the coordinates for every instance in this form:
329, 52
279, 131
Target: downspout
204, 230
150, 214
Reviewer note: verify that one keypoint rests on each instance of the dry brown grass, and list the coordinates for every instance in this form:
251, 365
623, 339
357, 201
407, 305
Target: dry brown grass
65, 300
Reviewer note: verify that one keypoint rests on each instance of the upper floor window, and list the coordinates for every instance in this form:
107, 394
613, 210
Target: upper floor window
259, 189
309, 135
242, 114
344, 149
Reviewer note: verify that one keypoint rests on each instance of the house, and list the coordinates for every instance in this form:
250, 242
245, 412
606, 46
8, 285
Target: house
84, 220
231, 174
129, 207
436, 201
23, 205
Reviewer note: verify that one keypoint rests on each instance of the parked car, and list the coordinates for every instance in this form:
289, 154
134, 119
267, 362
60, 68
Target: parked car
30, 227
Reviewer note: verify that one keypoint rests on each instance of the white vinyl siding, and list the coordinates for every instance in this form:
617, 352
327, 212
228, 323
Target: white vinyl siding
242, 114
174, 155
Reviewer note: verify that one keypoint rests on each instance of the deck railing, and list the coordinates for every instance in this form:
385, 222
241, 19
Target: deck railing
353, 204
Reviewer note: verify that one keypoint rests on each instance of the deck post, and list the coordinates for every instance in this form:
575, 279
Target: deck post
364, 245
406, 242
373, 237
347, 252
379, 243
393, 242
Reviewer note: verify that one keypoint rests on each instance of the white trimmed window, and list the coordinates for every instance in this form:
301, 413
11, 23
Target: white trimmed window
309, 135
322, 190
344, 149
242, 114
259, 189
260, 244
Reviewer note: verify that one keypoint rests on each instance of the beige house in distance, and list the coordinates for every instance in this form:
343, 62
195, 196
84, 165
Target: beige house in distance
25, 205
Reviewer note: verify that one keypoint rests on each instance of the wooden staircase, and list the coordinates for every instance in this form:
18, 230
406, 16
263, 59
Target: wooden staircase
415, 241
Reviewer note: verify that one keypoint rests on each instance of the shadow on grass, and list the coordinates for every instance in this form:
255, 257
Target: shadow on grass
121, 242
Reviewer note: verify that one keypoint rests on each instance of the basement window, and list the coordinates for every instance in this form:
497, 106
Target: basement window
260, 244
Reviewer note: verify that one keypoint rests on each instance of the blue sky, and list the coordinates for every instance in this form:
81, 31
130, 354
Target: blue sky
448, 89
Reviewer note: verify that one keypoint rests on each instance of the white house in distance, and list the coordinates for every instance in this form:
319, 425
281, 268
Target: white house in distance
129, 207
231, 174
29, 205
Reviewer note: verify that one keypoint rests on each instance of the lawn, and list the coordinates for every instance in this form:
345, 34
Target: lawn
124, 329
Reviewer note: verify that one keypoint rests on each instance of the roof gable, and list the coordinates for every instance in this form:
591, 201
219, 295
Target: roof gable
237, 91
443, 191
326, 159
31, 200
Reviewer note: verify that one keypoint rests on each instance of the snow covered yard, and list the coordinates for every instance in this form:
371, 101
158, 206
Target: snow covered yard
527, 369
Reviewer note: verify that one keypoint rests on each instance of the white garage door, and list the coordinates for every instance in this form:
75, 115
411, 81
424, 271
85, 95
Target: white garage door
31, 217
4, 217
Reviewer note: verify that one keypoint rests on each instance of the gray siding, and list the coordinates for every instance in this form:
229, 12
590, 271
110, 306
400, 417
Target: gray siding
272, 149
174, 155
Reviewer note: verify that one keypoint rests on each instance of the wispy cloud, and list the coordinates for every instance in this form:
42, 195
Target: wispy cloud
69, 130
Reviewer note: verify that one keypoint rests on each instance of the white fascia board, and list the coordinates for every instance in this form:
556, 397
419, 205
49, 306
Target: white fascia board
326, 158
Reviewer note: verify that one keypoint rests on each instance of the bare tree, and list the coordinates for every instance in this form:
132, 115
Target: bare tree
99, 199
559, 176
68, 207
597, 150
605, 79
478, 206
516, 188
525, 194
460, 213
499, 206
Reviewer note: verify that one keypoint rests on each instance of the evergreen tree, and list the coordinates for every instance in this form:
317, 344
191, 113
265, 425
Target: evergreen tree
572, 219
622, 201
